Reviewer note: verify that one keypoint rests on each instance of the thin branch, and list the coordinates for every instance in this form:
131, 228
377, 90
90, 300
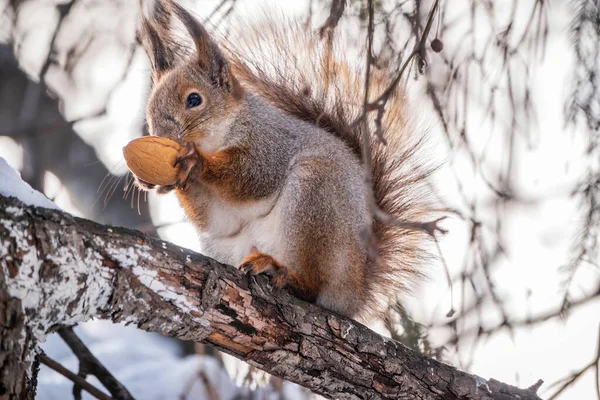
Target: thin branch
366, 140
63, 12
506, 323
76, 379
335, 14
92, 365
418, 50
595, 364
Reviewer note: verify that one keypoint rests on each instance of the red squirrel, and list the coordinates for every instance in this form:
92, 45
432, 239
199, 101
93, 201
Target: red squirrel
271, 173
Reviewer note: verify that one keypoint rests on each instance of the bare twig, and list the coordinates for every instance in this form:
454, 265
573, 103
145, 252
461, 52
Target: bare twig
335, 14
530, 321
366, 144
209, 388
90, 364
595, 364
381, 101
88, 387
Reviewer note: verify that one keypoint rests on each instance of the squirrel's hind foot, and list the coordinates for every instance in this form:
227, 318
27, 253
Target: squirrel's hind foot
260, 263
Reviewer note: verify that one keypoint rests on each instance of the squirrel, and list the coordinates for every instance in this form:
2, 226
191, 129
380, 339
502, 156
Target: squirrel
270, 170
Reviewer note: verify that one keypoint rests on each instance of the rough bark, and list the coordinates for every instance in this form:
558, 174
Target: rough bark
60, 270
17, 367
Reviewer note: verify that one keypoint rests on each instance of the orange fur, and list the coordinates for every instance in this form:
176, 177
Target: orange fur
259, 263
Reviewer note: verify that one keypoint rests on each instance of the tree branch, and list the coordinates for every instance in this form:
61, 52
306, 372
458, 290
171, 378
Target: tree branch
91, 365
60, 270
91, 389
335, 14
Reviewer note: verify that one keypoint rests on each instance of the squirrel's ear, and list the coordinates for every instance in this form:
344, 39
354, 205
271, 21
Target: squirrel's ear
161, 57
210, 59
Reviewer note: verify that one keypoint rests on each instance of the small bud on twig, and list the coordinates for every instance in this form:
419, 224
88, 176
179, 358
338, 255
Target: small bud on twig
437, 45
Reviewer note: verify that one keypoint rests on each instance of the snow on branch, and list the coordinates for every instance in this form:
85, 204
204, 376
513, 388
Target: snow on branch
60, 270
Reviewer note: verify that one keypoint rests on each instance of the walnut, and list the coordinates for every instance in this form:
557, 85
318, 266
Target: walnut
152, 159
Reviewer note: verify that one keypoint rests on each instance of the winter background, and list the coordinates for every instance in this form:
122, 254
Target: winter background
526, 294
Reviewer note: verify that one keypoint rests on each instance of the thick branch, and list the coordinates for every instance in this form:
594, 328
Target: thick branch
66, 270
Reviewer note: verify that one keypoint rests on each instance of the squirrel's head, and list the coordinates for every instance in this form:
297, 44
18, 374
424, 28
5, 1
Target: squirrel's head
194, 97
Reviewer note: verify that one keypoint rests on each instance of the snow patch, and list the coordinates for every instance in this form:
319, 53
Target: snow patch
16, 211
482, 383
127, 257
130, 257
346, 332
149, 279
11, 184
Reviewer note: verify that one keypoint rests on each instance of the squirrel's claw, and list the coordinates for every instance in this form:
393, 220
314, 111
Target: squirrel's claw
165, 189
187, 160
142, 184
259, 263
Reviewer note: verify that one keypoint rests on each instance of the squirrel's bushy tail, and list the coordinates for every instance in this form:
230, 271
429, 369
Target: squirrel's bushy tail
300, 73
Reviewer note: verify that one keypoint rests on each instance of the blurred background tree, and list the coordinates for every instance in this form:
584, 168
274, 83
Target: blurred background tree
512, 106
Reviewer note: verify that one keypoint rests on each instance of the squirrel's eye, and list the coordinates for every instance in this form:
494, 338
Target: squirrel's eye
193, 100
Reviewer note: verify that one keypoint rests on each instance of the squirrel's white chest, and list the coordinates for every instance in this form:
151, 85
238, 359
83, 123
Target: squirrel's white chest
232, 231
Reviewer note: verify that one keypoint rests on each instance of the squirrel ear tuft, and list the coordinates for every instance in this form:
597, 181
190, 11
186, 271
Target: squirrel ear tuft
210, 59
161, 57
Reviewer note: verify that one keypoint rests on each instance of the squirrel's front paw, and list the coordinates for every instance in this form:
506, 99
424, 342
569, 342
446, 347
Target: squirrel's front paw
260, 263
187, 161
